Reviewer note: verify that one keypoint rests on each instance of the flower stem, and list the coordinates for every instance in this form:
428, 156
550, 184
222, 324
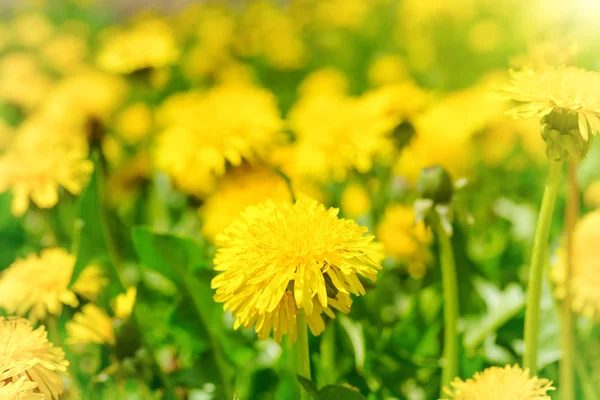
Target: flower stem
566, 366
538, 258
302, 352
451, 308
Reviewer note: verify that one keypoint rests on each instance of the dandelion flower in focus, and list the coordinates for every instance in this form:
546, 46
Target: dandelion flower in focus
278, 259
93, 325
29, 362
405, 240
206, 132
149, 43
36, 166
569, 90
39, 285
497, 383
585, 281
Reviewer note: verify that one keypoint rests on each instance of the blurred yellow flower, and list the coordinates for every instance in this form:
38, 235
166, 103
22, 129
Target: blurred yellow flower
335, 134
94, 325
39, 285
355, 201
387, 69
37, 165
149, 43
29, 363
584, 282
277, 259
591, 195
66, 52
238, 122
406, 240
134, 123
31, 30
561, 89
266, 30
497, 383
22, 81
324, 81
239, 189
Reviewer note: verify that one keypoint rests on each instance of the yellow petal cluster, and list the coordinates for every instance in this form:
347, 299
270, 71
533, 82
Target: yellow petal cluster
30, 366
559, 88
584, 282
38, 285
496, 383
149, 43
280, 258
206, 131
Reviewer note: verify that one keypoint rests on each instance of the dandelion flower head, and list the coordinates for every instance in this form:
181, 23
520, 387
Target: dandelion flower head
496, 383
29, 362
556, 88
39, 285
584, 281
206, 132
280, 258
37, 164
149, 43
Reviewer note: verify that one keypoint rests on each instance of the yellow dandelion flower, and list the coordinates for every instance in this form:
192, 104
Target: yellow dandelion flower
387, 69
239, 122
406, 240
149, 43
591, 195
91, 325
22, 80
66, 52
94, 325
324, 80
134, 123
31, 30
26, 358
90, 282
561, 89
336, 134
36, 165
38, 285
355, 201
497, 383
584, 282
277, 259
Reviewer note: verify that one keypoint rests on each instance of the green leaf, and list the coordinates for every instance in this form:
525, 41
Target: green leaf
89, 236
309, 386
338, 392
357, 338
502, 305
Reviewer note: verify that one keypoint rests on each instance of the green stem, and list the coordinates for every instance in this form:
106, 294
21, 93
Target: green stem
302, 352
327, 364
566, 366
170, 392
538, 261
451, 308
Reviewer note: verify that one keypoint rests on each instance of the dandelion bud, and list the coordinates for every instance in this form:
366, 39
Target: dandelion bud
435, 184
561, 132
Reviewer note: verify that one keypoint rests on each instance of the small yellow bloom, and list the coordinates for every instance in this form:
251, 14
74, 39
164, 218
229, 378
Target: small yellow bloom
239, 123
277, 259
387, 69
405, 240
569, 89
22, 80
134, 123
38, 285
29, 363
324, 80
36, 165
355, 201
584, 282
591, 195
66, 52
149, 43
497, 383
31, 30
94, 325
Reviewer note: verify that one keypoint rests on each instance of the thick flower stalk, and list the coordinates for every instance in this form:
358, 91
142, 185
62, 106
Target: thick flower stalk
30, 366
566, 100
497, 383
278, 260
